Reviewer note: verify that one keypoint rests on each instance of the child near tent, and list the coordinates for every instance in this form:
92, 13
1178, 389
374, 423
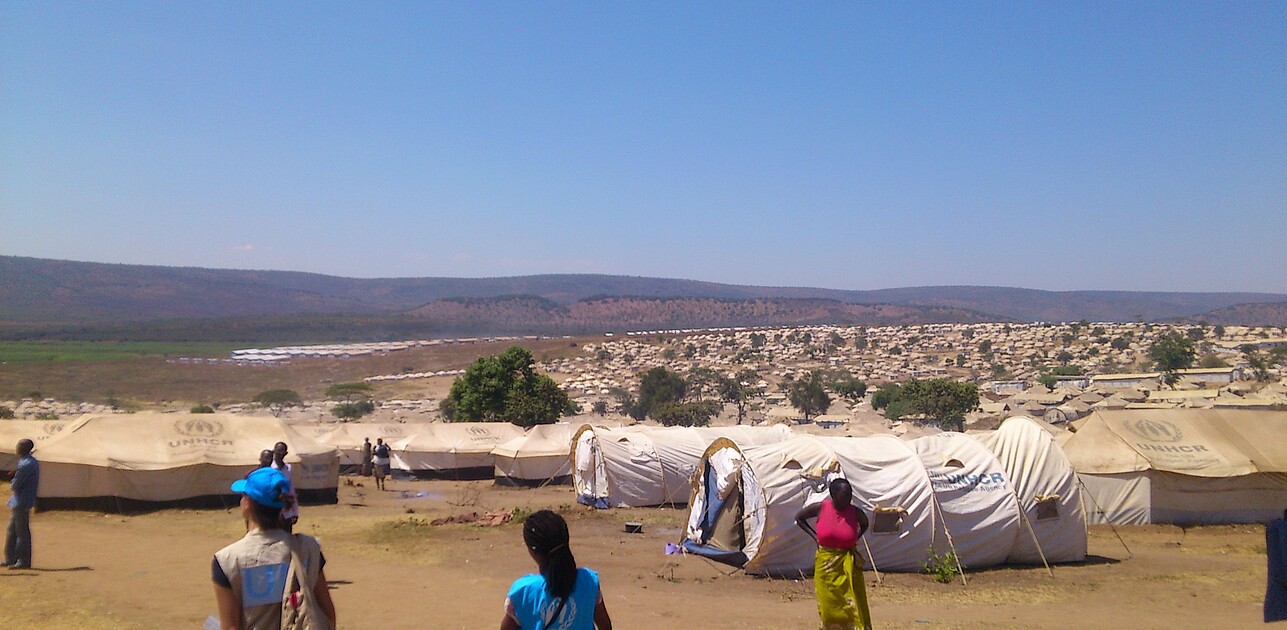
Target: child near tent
837, 567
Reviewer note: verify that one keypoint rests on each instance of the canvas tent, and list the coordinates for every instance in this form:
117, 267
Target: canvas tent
891, 485
349, 436
1046, 489
1181, 466
536, 458
451, 450
649, 466
38, 431
744, 503
121, 461
978, 513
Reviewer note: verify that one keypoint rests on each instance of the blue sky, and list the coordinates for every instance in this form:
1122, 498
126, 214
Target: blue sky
1137, 146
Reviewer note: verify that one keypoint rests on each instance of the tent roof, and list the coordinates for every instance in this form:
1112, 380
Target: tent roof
1197, 442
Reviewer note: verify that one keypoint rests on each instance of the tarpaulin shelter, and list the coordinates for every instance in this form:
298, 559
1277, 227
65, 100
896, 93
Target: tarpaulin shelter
649, 466
539, 457
1046, 488
1181, 466
451, 450
124, 461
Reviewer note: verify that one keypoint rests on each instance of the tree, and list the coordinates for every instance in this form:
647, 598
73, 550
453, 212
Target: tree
985, 346
1120, 343
941, 400
885, 395
1259, 366
851, 389
860, 343
279, 399
808, 395
1172, 352
6, 413
1064, 357
836, 340
1212, 360
659, 386
699, 379
349, 391
1048, 379
737, 391
504, 387
1197, 333
690, 414
599, 408
352, 410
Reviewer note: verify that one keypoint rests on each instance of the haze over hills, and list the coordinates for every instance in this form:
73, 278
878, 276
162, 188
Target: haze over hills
57, 292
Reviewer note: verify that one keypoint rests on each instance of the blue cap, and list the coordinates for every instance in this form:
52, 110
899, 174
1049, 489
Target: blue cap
263, 486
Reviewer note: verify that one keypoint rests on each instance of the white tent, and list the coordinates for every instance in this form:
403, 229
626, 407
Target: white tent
540, 457
745, 500
649, 466
1182, 466
1046, 487
122, 460
978, 514
349, 436
35, 430
452, 450
890, 484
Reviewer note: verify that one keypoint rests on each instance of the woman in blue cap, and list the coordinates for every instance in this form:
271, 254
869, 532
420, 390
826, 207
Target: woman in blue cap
250, 575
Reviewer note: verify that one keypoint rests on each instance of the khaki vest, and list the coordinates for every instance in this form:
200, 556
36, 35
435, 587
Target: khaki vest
257, 566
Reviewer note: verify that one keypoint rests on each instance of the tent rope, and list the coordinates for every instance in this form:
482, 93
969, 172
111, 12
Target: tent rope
872, 558
1129, 554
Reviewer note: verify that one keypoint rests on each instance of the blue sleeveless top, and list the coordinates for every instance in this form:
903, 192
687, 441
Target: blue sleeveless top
534, 606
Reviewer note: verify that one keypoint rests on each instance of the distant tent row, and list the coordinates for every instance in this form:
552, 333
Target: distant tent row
1181, 466
450, 450
648, 466
1010, 497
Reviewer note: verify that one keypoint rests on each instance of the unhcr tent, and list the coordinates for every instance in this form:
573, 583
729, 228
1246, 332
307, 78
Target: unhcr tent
37, 431
451, 450
744, 503
1181, 466
1046, 489
347, 437
978, 514
890, 484
537, 458
649, 466
142, 460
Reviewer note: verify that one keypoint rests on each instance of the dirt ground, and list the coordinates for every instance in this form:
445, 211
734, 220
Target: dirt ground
390, 569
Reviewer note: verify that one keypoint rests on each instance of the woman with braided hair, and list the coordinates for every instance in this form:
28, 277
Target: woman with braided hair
561, 596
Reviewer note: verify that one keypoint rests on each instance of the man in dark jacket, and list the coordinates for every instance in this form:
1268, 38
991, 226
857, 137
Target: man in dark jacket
26, 479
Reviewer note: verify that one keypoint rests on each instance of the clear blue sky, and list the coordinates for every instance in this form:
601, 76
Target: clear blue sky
1049, 145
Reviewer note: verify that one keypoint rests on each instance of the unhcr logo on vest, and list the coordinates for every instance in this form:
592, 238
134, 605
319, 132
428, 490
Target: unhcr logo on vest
1156, 430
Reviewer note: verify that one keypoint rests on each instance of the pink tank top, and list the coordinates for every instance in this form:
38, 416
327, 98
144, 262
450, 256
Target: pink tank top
837, 529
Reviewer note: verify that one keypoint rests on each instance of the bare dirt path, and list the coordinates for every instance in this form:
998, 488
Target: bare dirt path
390, 569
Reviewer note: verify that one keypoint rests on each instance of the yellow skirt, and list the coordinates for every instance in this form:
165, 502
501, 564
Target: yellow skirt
842, 594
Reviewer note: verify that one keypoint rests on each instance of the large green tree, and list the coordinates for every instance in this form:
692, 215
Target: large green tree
1170, 353
808, 394
658, 387
506, 387
938, 400
349, 391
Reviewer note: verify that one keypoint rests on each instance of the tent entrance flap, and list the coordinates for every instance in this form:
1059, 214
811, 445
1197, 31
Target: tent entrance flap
723, 535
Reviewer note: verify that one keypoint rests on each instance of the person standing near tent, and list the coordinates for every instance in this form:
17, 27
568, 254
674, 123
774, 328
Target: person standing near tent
290, 514
1276, 555
837, 567
26, 480
561, 596
251, 575
366, 457
265, 459
380, 459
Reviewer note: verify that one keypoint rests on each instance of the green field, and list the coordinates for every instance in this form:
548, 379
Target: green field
25, 352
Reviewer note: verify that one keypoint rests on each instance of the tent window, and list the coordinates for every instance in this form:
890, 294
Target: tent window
887, 521
1047, 508
954, 463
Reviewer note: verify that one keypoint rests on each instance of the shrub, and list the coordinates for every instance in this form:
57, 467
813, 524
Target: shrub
6, 413
942, 567
202, 408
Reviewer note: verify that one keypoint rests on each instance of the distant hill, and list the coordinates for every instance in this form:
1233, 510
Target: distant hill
66, 292
1262, 314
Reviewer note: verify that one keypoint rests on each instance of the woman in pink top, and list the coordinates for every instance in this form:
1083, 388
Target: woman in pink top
837, 567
